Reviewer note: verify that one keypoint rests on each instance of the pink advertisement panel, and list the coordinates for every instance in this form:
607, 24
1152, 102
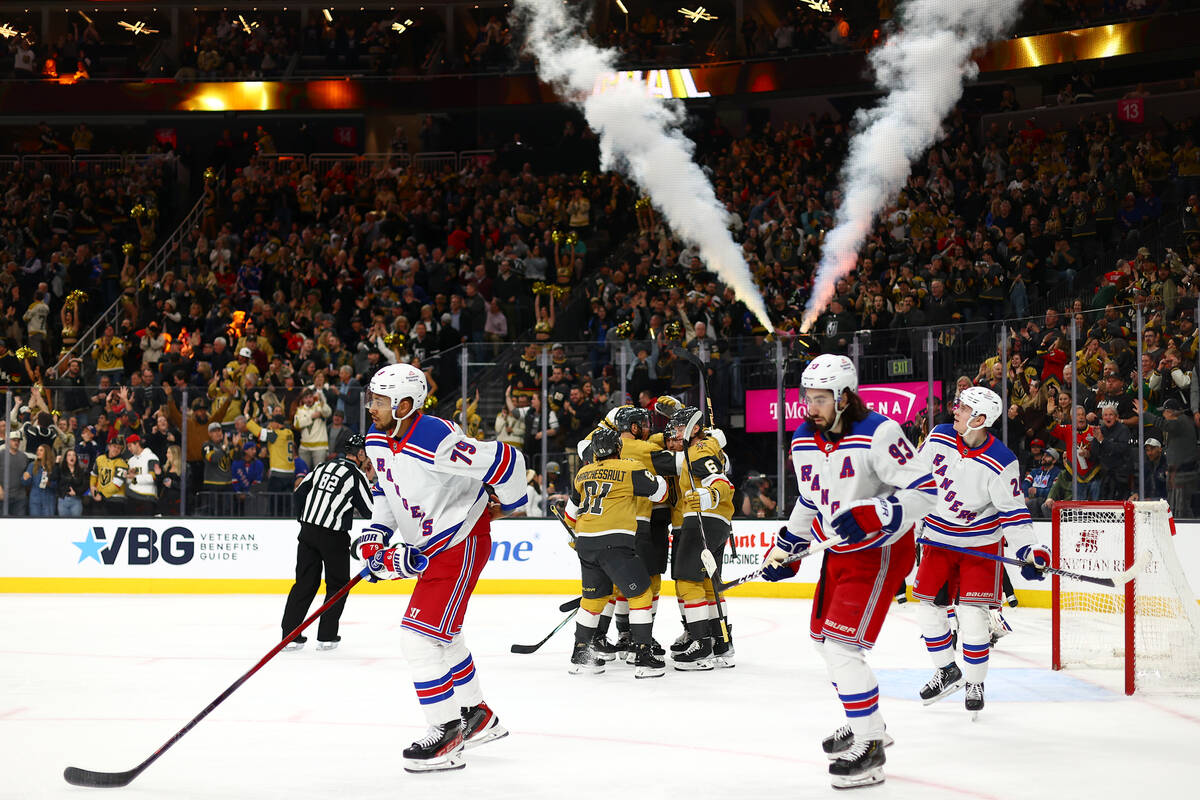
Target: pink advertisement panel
900, 401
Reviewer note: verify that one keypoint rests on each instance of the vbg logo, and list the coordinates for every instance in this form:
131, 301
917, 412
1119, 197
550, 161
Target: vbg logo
141, 545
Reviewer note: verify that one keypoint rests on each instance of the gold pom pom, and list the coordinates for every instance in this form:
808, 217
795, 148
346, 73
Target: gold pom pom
128, 248
210, 175
152, 213
26, 352
674, 331
77, 297
556, 237
585, 177
430, 402
572, 239
624, 330
138, 211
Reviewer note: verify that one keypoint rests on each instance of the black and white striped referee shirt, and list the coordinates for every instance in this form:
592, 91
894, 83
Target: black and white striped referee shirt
331, 493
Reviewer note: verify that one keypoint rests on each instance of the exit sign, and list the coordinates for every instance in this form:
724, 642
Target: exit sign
899, 367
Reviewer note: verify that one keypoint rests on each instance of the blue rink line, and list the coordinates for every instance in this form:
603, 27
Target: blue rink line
1014, 685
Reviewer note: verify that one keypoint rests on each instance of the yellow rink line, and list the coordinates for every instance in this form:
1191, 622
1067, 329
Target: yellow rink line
1032, 599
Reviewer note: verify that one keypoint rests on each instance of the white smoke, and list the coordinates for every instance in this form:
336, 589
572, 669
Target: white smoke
639, 136
922, 66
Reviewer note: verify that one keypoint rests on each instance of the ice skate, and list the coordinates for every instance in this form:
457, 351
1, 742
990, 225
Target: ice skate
295, 644
974, 701
480, 725
329, 645
859, 765
646, 663
605, 650
441, 748
842, 740
946, 680
698, 656
585, 661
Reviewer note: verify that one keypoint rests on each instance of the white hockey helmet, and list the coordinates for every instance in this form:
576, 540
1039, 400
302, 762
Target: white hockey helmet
982, 402
829, 371
399, 381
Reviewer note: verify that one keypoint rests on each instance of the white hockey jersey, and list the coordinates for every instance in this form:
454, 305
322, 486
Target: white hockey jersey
874, 459
979, 492
430, 484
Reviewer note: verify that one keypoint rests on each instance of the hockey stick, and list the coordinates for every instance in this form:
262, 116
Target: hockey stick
820, 547
526, 649
1114, 580
570, 604
702, 374
706, 556
86, 777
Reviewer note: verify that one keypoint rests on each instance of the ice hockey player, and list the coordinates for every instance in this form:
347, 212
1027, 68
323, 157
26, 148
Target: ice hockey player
603, 512
701, 519
436, 493
859, 481
980, 505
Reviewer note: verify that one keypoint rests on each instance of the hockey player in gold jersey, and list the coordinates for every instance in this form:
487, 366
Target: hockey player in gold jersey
603, 511
703, 496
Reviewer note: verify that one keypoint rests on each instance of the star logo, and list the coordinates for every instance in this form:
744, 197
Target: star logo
90, 547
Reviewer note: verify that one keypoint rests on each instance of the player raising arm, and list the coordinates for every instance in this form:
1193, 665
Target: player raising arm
431, 521
859, 480
979, 506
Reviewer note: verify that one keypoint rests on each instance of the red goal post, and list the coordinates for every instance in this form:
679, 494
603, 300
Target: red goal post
1149, 627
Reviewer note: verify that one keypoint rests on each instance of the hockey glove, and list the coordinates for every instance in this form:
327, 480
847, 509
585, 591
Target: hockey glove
787, 544
368, 543
780, 572
396, 563
667, 405
863, 519
701, 499
1036, 558
717, 435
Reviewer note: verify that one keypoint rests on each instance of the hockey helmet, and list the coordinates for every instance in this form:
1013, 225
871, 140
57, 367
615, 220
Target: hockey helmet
605, 444
354, 442
610, 419
628, 416
829, 371
687, 422
982, 402
398, 382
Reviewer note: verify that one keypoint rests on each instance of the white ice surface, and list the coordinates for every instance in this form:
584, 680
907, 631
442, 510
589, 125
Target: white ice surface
100, 682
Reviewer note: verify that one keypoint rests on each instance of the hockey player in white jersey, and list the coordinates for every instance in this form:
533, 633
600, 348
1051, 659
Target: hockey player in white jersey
980, 505
859, 481
436, 492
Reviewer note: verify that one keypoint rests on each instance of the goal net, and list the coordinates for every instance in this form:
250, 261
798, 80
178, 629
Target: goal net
1150, 627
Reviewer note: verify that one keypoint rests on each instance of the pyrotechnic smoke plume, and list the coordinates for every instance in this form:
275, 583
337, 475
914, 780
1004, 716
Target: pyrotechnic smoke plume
922, 67
640, 136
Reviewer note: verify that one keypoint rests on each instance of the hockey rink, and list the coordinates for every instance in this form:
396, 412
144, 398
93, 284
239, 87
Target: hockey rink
101, 681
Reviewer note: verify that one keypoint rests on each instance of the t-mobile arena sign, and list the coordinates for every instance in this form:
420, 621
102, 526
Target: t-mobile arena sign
900, 401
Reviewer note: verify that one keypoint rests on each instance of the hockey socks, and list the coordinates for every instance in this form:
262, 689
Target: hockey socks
856, 687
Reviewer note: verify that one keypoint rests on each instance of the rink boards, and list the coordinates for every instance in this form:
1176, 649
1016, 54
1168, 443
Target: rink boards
203, 556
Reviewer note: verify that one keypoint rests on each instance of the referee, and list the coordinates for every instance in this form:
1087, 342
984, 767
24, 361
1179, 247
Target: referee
328, 497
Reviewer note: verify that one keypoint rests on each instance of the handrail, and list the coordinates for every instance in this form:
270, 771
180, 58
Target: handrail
88, 337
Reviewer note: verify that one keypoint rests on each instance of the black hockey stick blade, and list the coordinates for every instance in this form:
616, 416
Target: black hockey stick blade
570, 605
105, 780
526, 649
100, 780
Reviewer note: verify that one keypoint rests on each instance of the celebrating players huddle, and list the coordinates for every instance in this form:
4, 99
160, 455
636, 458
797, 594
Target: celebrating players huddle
633, 487
644, 499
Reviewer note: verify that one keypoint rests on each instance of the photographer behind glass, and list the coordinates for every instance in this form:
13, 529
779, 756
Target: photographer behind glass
755, 500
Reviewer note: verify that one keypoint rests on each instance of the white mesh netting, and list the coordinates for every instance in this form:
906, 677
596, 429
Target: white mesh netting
1166, 647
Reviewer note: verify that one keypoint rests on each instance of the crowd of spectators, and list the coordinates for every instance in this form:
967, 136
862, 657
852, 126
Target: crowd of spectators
297, 285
